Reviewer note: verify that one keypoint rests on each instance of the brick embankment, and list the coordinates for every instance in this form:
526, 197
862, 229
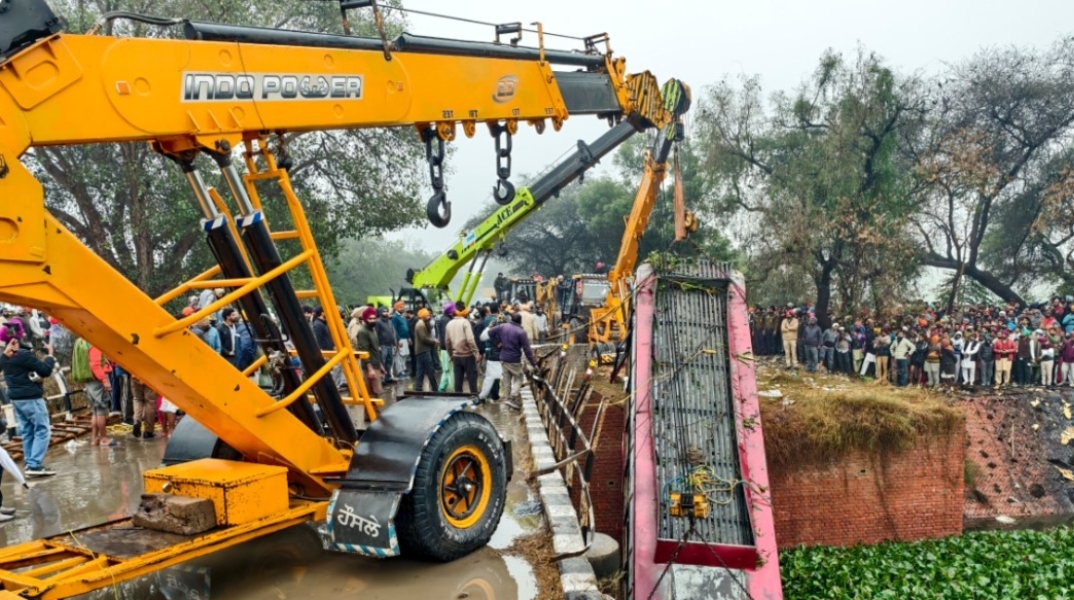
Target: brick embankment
606, 479
868, 498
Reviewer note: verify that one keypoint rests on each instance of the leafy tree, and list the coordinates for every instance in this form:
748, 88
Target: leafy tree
995, 170
133, 207
570, 234
371, 267
814, 177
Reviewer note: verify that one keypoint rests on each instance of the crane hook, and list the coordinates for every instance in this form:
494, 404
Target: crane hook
503, 192
433, 210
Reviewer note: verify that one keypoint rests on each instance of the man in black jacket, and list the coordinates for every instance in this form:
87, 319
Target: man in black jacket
811, 339
23, 372
229, 335
319, 324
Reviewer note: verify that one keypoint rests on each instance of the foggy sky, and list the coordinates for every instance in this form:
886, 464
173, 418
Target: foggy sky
705, 42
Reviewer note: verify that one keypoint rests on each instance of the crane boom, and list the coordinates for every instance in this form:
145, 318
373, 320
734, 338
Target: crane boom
612, 315
473, 247
222, 93
194, 95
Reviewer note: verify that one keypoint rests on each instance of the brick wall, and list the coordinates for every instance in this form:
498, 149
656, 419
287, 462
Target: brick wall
867, 498
606, 480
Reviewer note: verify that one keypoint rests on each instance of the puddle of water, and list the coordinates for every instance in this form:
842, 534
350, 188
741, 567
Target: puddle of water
518, 517
522, 572
484, 575
94, 485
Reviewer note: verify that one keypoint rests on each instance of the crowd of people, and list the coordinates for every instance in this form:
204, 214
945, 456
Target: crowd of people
449, 351
974, 345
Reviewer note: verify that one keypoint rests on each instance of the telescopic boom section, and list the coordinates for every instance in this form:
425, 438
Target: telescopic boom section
615, 310
199, 96
474, 245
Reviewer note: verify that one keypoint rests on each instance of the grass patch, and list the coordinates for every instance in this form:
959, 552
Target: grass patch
1014, 565
823, 418
973, 473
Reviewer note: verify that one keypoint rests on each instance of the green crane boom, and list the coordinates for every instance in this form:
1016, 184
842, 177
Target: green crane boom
474, 247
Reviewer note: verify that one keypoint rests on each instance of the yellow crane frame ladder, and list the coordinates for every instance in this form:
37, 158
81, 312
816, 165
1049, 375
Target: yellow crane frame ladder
220, 93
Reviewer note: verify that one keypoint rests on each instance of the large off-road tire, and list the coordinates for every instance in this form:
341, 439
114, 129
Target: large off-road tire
459, 491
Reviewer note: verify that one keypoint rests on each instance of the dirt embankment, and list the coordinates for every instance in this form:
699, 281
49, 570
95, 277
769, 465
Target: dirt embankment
1019, 459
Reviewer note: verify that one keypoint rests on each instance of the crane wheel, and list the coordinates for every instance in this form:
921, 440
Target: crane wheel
459, 491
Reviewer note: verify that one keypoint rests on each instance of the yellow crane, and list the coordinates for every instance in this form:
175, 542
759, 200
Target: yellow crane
608, 321
427, 477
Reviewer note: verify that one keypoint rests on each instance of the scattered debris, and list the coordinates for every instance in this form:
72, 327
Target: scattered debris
1005, 519
770, 394
1068, 436
536, 549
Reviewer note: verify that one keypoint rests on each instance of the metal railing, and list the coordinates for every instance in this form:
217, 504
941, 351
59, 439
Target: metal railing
561, 406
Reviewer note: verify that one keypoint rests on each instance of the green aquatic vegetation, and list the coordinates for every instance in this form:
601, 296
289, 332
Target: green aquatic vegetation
997, 565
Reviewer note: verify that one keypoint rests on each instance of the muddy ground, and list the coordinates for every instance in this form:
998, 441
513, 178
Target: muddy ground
94, 485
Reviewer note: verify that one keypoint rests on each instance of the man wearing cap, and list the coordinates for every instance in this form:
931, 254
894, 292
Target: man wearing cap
789, 329
425, 345
529, 323
386, 337
366, 340
513, 344
461, 345
354, 324
402, 340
